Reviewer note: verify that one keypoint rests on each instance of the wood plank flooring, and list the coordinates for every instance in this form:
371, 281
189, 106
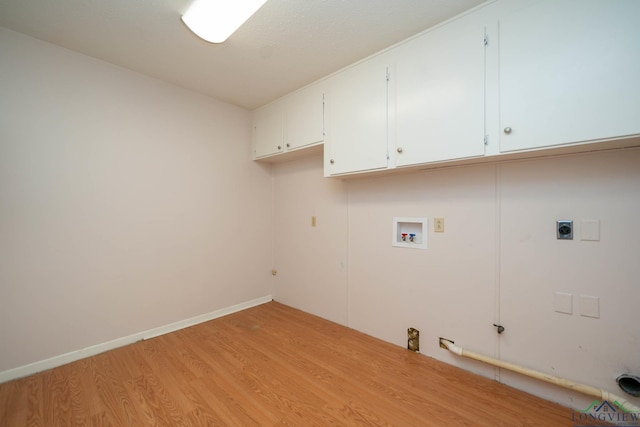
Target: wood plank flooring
270, 365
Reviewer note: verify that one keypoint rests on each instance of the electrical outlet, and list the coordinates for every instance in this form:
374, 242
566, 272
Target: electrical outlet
438, 225
564, 229
313, 221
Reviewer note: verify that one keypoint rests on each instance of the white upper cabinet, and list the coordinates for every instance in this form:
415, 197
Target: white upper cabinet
439, 84
268, 131
510, 77
289, 124
356, 118
305, 118
569, 72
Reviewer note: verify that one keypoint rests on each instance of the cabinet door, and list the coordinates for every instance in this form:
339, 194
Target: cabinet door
268, 131
439, 86
356, 119
305, 118
569, 72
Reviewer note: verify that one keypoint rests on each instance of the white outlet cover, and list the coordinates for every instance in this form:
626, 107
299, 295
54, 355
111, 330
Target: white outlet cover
590, 306
590, 230
563, 303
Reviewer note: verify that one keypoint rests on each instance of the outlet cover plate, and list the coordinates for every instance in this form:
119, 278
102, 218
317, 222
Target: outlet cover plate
563, 303
590, 230
590, 306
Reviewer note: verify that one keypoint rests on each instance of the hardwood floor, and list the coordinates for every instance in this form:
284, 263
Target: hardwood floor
270, 365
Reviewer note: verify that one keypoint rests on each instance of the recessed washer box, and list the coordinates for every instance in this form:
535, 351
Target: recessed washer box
410, 232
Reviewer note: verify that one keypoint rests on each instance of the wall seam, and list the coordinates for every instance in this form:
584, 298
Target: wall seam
348, 256
498, 178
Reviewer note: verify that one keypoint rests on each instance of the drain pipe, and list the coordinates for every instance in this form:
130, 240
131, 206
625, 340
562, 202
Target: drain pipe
592, 391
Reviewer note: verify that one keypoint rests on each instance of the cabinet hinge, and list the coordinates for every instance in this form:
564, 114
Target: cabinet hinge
486, 140
486, 40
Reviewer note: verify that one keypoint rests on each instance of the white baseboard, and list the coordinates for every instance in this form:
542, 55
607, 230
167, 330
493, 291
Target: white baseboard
63, 359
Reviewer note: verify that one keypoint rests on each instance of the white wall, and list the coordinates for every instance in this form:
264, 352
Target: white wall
311, 261
534, 265
498, 260
126, 203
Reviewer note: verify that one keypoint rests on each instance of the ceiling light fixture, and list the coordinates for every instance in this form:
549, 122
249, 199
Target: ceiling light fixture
215, 20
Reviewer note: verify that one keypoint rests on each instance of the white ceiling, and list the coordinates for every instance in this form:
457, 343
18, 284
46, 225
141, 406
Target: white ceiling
285, 45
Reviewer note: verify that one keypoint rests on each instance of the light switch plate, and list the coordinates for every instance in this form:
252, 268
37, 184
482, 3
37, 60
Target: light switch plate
563, 303
589, 306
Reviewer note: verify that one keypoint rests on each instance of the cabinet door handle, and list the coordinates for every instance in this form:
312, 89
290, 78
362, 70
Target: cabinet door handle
279, 147
507, 130
331, 161
288, 145
399, 150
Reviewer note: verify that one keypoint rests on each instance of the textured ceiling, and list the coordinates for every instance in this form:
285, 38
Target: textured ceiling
285, 45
